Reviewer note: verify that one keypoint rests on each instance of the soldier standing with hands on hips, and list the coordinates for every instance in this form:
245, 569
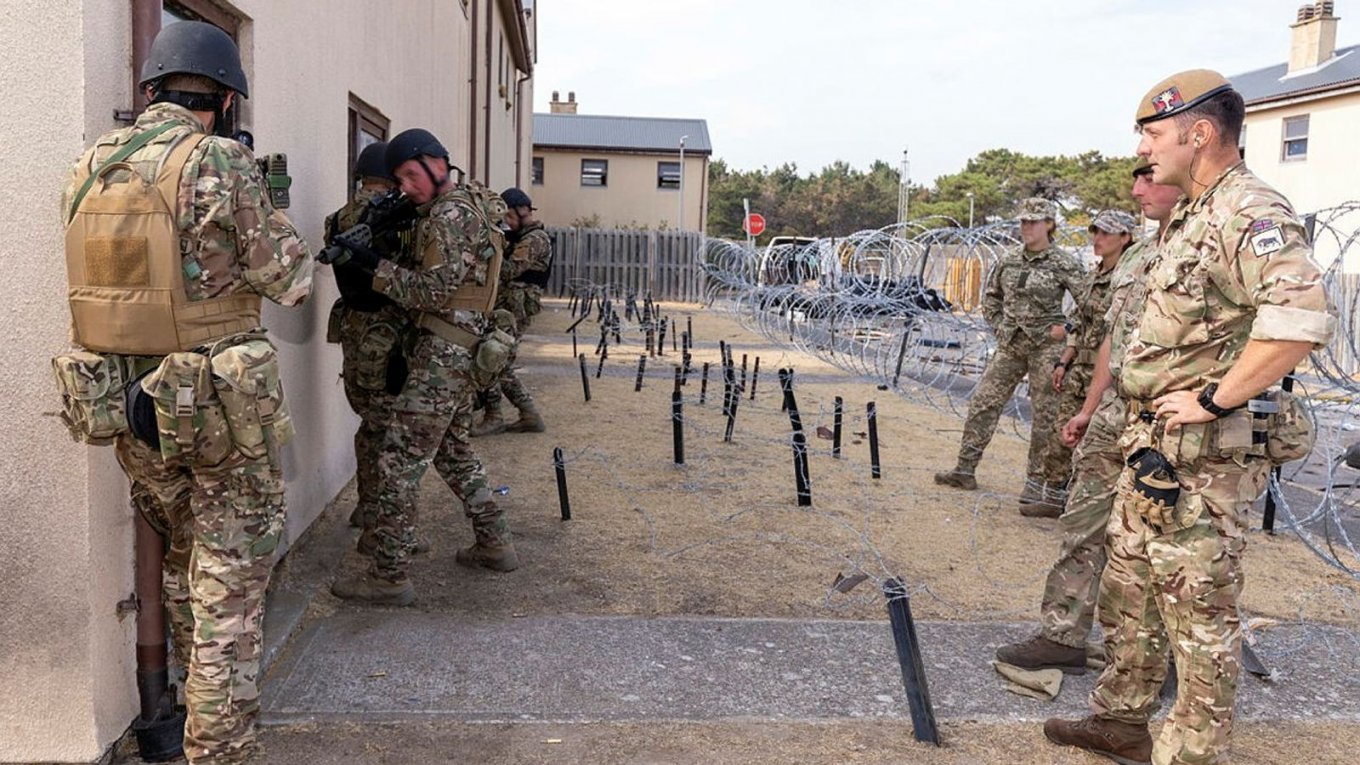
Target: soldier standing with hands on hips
1234, 301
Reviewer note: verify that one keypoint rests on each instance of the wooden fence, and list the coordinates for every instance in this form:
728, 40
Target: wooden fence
668, 264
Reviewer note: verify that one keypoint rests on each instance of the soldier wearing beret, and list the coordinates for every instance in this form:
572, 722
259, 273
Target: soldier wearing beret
1022, 303
1234, 301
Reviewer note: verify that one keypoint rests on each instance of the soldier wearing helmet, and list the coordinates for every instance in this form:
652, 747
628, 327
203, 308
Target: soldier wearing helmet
1023, 304
179, 298
1232, 302
458, 249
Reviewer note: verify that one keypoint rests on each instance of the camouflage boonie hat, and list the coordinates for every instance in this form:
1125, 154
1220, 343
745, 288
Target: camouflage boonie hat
1037, 208
1114, 222
1179, 93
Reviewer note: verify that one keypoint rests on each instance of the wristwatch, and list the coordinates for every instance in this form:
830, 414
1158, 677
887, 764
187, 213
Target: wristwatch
1206, 401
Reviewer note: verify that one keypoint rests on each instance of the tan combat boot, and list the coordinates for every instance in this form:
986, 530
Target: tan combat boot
493, 422
369, 589
530, 421
497, 556
1041, 653
1125, 743
958, 478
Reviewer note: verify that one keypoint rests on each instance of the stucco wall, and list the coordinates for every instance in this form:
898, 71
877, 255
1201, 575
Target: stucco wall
68, 662
631, 197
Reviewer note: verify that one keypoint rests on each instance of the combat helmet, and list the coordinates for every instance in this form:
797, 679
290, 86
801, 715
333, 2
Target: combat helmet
412, 143
372, 162
196, 48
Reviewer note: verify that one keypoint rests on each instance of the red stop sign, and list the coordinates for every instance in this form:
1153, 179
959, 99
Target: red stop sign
754, 224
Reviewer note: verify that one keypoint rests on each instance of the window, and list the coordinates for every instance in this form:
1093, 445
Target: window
594, 172
367, 126
536, 176
668, 175
199, 10
1295, 139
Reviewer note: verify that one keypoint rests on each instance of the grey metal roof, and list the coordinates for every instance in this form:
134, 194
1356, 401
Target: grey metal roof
1270, 84
592, 131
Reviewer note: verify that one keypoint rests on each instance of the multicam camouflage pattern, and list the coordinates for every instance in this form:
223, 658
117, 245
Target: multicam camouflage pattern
531, 250
1233, 265
1012, 363
1128, 291
246, 375
223, 515
1024, 293
236, 240
190, 419
432, 415
91, 385
1088, 332
1036, 208
1069, 602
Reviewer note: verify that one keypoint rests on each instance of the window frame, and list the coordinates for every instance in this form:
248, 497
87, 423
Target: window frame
205, 10
661, 180
363, 118
1286, 141
603, 174
536, 171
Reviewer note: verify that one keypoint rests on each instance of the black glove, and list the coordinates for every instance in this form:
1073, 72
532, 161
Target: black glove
1156, 488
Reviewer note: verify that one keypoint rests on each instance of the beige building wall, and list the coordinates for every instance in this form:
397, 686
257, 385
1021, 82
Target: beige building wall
67, 659
1327, 177
631, 198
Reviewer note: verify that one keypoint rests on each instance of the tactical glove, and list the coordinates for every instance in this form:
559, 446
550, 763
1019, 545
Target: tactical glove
1156, 489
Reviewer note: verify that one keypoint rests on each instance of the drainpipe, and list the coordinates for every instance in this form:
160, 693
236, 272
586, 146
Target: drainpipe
486, 131
519, 128
146, 23
472, 90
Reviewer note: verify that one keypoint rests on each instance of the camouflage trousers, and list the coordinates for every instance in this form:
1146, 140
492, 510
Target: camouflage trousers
430, 422
366, 343
1003, 374
1179, 588
1069, 602
508, 385
224, 525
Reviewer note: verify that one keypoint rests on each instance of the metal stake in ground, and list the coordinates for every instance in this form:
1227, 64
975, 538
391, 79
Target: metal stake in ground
674, 335
901, 355
573, 343
585, 377
743, 371
731, 419
800, 458
703, 386
560, 467
642, 367
678, 422
838, 413
909, 657
661, 339
600, 368
755, 378
786, 385
875, 469
689, 327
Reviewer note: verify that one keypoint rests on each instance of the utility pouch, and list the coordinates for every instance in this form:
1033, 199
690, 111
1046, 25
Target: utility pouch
334, 320
372, 355
492, 357
1290, 432
246, 377
190, 417
91, 387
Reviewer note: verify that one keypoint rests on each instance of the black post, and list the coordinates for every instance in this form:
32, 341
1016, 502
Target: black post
573, 343
572, 304
585, 377
703, 386
689, 326
786, 385
642, 367
901, 355
661, 339
600, 368
875, 470
755, 378
837, 416
560, 467
731, 419
743, 372
678, 422
674, 335
800, 458
909, 657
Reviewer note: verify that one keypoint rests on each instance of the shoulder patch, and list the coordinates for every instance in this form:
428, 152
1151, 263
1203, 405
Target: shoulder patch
1265, 241
1261, 224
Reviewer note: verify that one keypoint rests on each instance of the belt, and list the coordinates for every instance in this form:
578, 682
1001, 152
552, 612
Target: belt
1261, 405
443, 329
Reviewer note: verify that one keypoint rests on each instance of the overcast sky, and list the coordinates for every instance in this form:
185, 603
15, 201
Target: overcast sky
811, 81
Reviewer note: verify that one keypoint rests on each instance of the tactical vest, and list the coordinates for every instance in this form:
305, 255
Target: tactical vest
125, 276
472, 296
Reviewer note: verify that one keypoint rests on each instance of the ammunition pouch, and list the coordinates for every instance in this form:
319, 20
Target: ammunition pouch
369, 356
335, 320
190, 419
245, 374
91, 387
1289, 430
492, 356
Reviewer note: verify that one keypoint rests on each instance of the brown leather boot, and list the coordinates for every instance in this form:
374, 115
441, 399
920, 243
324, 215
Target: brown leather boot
530, 421
1125, 743
1039, 500
370, 589
1041, 653
958, 479
493, 422
495, 556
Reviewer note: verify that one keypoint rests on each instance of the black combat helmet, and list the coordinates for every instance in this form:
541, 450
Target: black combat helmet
515, 197
372, 162
197, 48
409, 144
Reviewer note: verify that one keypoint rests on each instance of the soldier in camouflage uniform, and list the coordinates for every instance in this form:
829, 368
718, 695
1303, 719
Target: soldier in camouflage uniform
1023, 305
431, 415
1069, 600
1233, 301
370, 329
524, 273
224, 520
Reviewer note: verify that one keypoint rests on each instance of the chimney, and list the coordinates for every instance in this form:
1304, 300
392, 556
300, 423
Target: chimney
558, 106
1313, 41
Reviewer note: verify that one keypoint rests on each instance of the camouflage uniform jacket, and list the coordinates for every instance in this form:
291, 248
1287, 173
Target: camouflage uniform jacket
1127, 293
232, 238
451, 249
351, 278
1089, 318
531, 250
1233, 265
1024, 293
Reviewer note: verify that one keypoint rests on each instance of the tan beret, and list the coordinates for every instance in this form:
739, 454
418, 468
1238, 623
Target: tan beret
1179, 93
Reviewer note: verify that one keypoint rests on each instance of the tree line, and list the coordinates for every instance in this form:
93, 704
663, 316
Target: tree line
841, 199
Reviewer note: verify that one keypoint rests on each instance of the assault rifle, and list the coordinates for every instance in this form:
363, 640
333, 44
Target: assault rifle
380, 229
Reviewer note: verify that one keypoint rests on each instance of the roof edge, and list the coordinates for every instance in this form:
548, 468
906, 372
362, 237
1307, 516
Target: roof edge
622, 149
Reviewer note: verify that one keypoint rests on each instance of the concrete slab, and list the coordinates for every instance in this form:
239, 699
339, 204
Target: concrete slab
378, 666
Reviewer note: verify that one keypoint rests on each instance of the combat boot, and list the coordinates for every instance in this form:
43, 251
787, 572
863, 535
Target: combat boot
493, 422
1125, 743
1039, 500
958, 478
1041, 653
497, 556
370, 589
530, 421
